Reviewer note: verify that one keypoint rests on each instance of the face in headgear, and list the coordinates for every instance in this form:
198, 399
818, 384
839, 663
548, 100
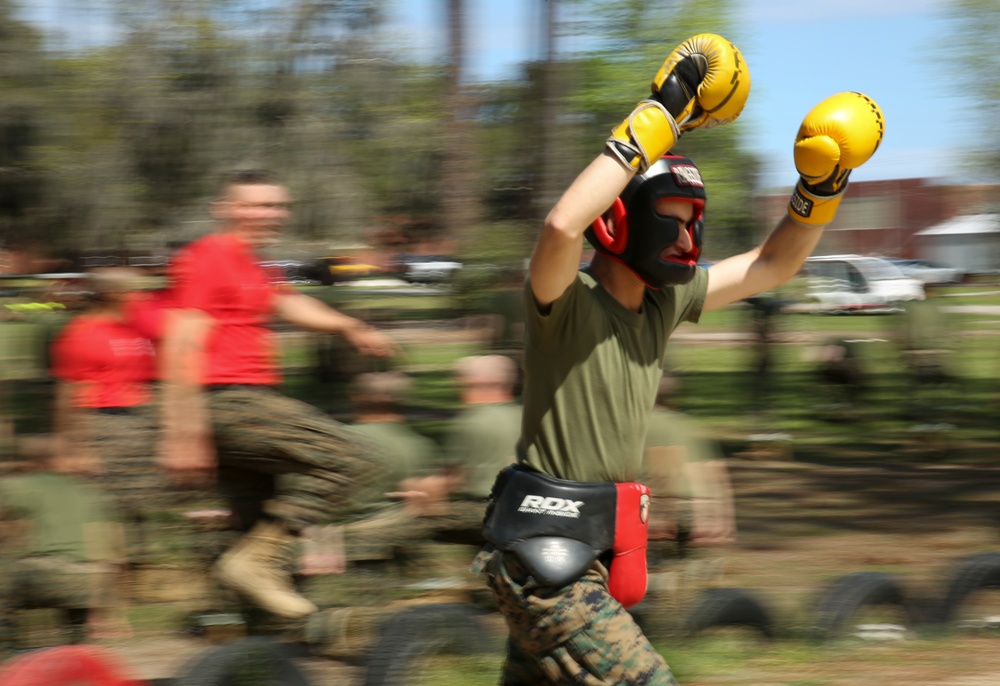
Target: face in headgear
642, 235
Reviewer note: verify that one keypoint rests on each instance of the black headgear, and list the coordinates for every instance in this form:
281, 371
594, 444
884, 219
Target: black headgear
641, 234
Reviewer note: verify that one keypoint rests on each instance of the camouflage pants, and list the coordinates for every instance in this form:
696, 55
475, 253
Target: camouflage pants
54, 581
578, 634
287, 459
126, 446
141, 489
462, 523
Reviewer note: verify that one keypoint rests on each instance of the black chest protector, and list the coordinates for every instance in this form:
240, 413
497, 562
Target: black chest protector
557, 528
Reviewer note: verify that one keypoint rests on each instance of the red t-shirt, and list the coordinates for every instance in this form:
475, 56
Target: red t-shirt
219, 275
146, 312
109, 361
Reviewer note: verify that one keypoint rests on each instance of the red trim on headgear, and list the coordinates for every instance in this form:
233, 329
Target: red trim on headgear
616, 243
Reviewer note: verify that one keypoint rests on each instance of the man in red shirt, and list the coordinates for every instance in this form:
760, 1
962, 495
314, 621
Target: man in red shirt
105, 417
104, 367
283, 464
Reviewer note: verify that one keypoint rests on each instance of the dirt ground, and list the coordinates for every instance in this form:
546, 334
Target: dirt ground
801, 525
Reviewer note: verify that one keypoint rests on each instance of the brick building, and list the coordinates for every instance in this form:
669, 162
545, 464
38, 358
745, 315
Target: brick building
883, 217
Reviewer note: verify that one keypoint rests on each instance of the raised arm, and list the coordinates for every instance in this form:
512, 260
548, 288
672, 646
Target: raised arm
838, 135
556, 258
702, 83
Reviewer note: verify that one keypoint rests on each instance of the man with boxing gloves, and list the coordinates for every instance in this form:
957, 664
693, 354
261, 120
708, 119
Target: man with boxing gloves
566, 526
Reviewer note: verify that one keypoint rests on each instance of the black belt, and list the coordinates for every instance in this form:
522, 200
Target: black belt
115, 410
233, 386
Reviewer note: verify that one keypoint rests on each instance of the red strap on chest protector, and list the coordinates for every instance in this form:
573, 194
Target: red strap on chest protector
627, 576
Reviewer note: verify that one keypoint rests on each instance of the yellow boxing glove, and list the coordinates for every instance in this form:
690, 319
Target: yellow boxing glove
704, 82
716, 69
838, 135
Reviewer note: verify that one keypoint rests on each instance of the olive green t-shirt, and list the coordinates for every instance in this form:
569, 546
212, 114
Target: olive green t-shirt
405, 452
68, 516
592, 369
481, 442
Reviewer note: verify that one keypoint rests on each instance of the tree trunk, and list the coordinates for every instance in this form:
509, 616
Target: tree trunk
460, 202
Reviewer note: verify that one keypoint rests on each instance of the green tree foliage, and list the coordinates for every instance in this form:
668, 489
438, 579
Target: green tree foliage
119, 146
618, 48
22, 70
972, 61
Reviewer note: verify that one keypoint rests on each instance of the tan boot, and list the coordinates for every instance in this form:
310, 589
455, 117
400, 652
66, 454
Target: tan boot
254, 568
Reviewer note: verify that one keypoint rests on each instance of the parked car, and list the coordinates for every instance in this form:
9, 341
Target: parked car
428, 268
347, 268
854, 283
929, 272
290, 272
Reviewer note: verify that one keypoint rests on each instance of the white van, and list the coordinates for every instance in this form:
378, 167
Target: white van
853, 283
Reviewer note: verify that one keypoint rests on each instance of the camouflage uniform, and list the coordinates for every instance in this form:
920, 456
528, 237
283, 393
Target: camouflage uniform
55, 581
59, 547
388, 527
125, 442
284, 458
126, 446
50, 581
461, 522
578, 634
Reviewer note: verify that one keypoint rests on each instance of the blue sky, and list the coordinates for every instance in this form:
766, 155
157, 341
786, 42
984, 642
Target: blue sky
798, 53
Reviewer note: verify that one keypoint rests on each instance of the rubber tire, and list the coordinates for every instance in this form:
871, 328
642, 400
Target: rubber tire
848, 594
224, 665
972, 574
72, 665
440, 628
718, 607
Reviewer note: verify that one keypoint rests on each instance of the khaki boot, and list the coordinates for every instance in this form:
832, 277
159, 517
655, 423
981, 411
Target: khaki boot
254, 567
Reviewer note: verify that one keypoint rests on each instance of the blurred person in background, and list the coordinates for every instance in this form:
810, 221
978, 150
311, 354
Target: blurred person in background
561, 572
764, 311
481, 437
61, 544
478, 444
842, 377
506, 308
388, 526
282, 464
925, 335
447, 504
691, 506
146, 307
105, 419
692, 499
376, 399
